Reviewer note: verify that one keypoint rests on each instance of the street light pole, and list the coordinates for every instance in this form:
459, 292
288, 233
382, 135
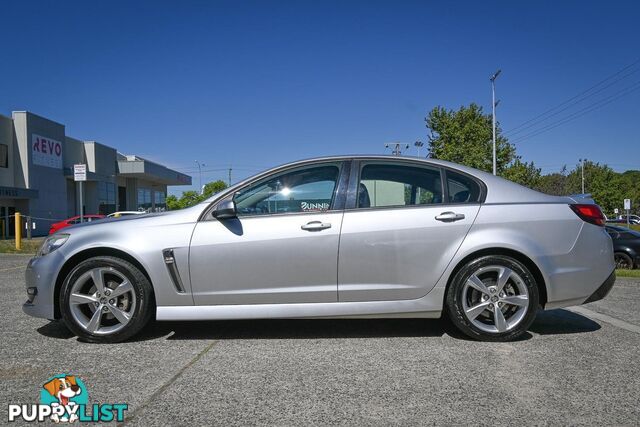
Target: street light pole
582, 167
200, 173
493, 109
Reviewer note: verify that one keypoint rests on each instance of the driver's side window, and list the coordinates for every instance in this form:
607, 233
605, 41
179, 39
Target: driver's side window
308, 189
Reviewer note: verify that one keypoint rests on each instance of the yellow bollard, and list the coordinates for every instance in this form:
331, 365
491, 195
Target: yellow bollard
18, 232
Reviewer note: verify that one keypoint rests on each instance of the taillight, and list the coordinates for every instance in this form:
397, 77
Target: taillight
589, 213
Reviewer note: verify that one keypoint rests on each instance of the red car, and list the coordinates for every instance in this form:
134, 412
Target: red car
72, 221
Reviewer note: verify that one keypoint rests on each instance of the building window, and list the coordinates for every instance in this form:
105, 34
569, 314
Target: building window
106, 197
144, 199
159, 200
4, 156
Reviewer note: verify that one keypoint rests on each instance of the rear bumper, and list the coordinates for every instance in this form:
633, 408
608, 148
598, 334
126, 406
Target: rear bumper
578, 275
603, 290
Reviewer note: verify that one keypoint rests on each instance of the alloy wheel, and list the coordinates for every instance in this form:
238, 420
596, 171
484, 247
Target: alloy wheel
102, 301
495, 299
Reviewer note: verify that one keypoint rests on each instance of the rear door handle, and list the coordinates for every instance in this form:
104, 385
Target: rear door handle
316, 226
449, 217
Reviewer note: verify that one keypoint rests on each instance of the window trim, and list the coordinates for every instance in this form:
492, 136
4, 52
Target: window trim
358, 164
337, 200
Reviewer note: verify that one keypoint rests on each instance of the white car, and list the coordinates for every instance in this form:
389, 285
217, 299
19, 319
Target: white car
633, 219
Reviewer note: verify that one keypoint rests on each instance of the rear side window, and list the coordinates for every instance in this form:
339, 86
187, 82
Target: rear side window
462, 189
383, 185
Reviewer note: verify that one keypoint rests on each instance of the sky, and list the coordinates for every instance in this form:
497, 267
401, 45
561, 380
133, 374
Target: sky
250, 85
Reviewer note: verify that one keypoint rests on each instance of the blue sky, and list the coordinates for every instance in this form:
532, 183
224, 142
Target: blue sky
255, 84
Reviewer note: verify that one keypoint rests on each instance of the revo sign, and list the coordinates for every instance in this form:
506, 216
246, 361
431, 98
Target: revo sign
46, 152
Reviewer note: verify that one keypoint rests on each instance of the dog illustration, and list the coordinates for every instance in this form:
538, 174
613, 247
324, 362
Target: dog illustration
63, 389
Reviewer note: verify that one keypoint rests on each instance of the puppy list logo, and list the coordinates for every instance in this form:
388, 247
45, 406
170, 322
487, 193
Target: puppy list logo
65, 399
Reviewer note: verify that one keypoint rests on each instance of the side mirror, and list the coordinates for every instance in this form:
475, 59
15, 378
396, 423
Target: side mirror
225, 209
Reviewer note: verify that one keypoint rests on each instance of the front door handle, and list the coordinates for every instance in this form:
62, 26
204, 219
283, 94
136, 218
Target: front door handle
449, 217
316, 226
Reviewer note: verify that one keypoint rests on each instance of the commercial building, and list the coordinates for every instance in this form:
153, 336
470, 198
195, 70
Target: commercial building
36, 175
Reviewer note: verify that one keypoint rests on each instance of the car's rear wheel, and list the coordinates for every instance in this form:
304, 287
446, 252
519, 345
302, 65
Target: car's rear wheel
106, 299
623, 261
492, 298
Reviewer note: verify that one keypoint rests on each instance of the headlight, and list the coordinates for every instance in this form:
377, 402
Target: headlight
52, 243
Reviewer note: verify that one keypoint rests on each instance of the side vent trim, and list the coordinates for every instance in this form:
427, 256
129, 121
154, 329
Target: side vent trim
172, 268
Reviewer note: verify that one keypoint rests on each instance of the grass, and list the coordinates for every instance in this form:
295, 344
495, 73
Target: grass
29, 247
632, 226
628, 273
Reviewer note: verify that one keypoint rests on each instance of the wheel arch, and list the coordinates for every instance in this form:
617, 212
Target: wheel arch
519, 256
625, 249
84, 255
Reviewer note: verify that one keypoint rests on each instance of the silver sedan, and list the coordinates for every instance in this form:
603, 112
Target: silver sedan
348, 237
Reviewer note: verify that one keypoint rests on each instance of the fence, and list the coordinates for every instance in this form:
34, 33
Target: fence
20, 222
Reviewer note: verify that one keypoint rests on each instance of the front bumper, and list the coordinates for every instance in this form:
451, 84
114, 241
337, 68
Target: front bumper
603, 290
40, 280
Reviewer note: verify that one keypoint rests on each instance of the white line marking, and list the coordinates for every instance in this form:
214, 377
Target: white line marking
607, 319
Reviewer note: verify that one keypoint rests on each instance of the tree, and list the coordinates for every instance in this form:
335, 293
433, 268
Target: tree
191, 198
465, 137
628, 184
554, 183
600, 182
172, 203
213, 187
523, 173
607, 187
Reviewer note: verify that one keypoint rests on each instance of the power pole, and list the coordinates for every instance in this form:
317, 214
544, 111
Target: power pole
582, 167
200, 173
418, 145
493, 109
229, 176
396, 148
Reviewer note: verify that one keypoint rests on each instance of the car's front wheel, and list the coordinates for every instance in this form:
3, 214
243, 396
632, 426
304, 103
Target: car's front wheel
106, 299
492, 298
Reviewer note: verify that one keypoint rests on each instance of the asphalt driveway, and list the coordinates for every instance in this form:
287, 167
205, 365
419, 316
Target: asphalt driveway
574, 367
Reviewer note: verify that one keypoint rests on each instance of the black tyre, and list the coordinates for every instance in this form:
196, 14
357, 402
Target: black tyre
492, 298
623, 261
106, 299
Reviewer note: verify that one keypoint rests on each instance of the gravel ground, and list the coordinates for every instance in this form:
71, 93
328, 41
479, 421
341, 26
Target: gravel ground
569, 369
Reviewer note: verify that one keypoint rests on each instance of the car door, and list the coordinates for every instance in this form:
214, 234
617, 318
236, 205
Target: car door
281, 248
402, 228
